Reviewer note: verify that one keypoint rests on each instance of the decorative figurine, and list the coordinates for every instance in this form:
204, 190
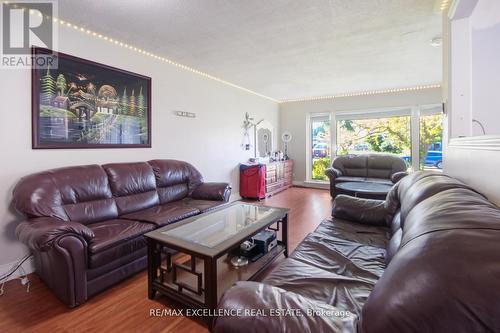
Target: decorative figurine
247, 124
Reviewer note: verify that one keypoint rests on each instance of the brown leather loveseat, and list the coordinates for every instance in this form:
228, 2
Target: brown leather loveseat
427, 259
372, 168
86, 223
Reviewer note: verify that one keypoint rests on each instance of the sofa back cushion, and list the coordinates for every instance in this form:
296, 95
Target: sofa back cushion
420, 186
446, 258
81, 194
384, 165
351, 165
133, 186
175, 180
409, 193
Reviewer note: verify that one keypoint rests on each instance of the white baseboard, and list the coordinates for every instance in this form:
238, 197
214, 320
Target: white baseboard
28, 266
311, 184
235, 196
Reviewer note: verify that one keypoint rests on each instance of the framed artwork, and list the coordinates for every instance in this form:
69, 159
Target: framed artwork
83, 104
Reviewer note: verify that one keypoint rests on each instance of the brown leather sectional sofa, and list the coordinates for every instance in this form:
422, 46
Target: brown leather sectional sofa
373, 168
427, 259
85, 224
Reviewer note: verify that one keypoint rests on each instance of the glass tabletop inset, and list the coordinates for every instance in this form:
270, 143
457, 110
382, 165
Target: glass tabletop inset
214, 228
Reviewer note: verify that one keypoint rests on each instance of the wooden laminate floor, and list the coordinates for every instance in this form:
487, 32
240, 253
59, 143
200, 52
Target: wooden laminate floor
125, 307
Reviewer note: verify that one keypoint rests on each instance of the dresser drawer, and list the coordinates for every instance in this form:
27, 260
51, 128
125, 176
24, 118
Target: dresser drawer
274, 187
271, 167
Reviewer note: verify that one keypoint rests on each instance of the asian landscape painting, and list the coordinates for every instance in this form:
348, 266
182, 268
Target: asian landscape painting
82, 104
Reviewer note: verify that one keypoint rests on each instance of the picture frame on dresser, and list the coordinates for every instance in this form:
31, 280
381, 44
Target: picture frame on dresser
78, 103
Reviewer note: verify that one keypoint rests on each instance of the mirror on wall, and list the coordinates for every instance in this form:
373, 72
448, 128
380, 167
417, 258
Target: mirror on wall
264, 139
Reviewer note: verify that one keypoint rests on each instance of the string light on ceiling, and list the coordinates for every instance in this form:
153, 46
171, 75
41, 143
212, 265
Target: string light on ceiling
445, 4
116, 42
122, 44
365, 93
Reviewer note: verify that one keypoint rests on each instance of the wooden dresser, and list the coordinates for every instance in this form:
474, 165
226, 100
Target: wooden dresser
279, 176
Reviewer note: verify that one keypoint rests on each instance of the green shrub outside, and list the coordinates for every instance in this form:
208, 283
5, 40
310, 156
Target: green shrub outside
319, 167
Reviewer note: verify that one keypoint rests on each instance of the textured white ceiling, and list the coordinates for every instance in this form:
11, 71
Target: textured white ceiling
281, 49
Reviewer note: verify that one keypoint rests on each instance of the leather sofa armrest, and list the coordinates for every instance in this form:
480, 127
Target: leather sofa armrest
40, 233
212, 191
333, 173
396, 177
272, 301
366, 211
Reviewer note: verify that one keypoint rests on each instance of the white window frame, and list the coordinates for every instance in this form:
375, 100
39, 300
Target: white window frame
415, 112
309, 118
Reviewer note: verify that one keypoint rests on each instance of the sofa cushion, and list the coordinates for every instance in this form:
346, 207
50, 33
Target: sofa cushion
342, 291
344, 179
80, 194
419, 186
354, 232
202, 205
133, 185
163, 214
383, 166
113, 232
175, 179
114, 239
351, 165
262, 297
338, 264
342, 256
379, 181
173, 192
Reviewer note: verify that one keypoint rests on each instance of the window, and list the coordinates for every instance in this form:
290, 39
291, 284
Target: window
413, 133
431, 139
320, 157
387, 135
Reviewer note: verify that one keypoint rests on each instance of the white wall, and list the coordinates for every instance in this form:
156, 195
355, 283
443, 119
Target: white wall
293, 116
211, 141
485, 66
475, 69
460, 87
474, 81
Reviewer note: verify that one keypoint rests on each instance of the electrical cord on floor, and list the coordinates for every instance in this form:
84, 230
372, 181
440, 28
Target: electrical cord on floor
23, 277
15, 267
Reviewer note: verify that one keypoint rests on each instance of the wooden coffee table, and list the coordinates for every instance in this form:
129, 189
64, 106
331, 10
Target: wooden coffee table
208, 240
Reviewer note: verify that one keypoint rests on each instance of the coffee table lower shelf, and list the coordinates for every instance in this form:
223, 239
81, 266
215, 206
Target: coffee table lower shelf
192, 286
